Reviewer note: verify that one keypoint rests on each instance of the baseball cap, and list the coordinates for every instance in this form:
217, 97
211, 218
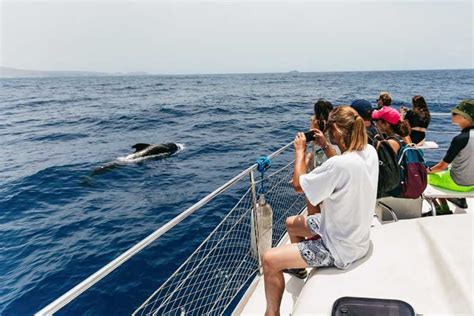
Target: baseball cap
465, 108
363, 107
387, 114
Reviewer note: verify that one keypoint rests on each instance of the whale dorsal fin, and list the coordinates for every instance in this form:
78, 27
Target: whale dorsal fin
140, 146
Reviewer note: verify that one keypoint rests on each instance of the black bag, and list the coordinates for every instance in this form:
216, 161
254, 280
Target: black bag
362, 306
389, 170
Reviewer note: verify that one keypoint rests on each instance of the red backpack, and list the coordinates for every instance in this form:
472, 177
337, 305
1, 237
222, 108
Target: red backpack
413, 174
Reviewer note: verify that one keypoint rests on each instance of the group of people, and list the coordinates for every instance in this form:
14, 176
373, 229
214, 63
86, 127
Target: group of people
341, 193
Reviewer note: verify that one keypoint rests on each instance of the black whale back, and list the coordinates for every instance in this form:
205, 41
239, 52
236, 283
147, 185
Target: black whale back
168, 148
140, 146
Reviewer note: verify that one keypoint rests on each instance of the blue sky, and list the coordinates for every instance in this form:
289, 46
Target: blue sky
166, 37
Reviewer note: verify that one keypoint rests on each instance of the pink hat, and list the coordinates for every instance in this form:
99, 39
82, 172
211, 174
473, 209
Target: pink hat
388, 114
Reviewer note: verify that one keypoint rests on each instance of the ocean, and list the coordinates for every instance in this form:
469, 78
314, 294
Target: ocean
59, 223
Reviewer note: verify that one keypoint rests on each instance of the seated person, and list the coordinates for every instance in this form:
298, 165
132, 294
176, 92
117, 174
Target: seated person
347, 186
389, 123
364, 109
418, 118
384, 99
460, 177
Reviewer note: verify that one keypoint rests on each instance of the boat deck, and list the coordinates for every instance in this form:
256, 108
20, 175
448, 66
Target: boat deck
426, 262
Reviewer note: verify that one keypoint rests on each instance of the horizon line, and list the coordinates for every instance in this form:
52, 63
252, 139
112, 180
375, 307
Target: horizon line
294, 71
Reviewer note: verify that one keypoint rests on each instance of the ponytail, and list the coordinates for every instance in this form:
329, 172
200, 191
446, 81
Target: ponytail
358, 136
351, 126
402, 128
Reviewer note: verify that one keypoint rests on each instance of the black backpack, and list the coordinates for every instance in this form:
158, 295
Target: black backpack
389, 170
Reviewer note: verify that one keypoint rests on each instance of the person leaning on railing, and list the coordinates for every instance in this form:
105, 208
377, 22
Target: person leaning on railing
346, 185
460, 176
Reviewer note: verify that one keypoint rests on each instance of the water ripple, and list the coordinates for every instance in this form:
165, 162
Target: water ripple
58, 224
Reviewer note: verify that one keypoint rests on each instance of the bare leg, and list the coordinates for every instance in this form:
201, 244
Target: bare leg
297, 228
275, 260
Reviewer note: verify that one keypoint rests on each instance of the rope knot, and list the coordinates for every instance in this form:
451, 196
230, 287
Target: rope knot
263, 164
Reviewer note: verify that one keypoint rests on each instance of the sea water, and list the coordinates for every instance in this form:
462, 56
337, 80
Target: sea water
59, 223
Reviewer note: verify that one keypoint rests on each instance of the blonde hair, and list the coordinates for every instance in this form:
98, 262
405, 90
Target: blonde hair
351, 126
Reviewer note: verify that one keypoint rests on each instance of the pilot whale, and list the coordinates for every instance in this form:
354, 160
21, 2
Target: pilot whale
145, 150
142, 152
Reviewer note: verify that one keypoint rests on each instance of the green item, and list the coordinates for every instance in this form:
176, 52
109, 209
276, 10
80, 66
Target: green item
443, 209
443, 180
465, 108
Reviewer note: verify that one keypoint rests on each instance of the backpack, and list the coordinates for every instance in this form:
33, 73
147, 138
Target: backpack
389, 170
414, 177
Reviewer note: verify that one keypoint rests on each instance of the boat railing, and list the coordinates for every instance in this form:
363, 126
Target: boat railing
225, 262
210, 280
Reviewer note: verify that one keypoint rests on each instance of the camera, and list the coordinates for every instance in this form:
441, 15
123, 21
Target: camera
309, 136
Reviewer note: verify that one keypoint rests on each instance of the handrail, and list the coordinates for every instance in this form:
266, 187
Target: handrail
114, 264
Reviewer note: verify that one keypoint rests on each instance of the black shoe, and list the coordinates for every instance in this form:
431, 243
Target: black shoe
299, 273
462, 203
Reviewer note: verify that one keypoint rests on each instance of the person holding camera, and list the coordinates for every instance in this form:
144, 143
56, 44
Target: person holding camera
319, 119
347, 186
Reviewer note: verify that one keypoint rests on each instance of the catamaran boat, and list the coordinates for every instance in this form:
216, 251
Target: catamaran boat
425, 261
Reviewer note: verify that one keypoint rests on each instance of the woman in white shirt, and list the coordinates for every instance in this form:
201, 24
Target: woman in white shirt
346, 187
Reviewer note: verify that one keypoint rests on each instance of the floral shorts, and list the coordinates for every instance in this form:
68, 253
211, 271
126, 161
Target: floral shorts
314, 251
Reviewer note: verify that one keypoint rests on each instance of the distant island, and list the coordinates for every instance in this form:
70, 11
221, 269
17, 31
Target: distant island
7, 72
